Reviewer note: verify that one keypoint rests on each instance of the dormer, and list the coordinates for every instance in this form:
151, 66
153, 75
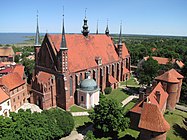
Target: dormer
98, 60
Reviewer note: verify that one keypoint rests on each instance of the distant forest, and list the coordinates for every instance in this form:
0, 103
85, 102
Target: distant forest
162, 46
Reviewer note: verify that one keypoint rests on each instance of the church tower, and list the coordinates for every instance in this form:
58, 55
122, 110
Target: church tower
63, 52
107, 30
120, 43
37, 44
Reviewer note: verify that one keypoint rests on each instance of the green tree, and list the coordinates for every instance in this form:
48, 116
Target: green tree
108, 90
108, 116
89, 136
148, 71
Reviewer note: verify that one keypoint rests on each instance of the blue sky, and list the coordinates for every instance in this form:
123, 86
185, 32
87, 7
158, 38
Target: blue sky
156, 17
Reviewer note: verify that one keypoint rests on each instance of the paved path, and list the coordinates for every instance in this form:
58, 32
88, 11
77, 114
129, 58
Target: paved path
79, 113
180, 107
128, 99
74, 136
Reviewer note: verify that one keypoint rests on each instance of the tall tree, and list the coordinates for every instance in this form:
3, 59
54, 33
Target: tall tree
108, 116
148, 71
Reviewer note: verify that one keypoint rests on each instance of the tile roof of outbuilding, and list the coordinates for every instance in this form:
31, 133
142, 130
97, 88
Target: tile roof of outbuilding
6, 51
152, 99
152, 119
12, 80
3, 96
170, 76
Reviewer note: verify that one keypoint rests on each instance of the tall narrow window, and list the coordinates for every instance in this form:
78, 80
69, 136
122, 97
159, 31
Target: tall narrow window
82, 98
71, 86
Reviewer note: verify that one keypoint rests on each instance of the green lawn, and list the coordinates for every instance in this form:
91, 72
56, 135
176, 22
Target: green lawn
81, 120
128, 106
117, 94
130, 82
75, 108
176, 117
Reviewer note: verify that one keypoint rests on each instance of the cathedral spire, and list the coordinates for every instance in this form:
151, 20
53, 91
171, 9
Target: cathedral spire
120, 37
85, 30
107, 30
120, 42
37, 37
97, 28
63, 41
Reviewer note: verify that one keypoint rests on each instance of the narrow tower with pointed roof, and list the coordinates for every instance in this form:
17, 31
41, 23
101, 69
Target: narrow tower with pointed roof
37, 44
63, 52
107, 30
120, 43
85, 30
97, 28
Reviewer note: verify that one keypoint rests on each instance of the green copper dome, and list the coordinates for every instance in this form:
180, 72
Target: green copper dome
88, 84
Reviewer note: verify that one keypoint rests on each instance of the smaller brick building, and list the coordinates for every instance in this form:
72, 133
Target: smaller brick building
6, 54
172, 82
15, 86
147, 115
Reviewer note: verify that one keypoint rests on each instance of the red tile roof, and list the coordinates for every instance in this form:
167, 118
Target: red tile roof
152, 119
19, 69
12, 80
160, 60
170, 76
6, 51
43, 77
112, 80
3, 96
180, 63
152, 99
82, 51
1, 64
6, 70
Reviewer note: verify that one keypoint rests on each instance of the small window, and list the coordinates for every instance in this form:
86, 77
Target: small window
22, 87
82, 98
0, 108
15, 107
8, 103
14, 100
18, 97
23, 94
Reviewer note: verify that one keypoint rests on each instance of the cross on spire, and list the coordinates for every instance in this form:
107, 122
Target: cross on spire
107, 30
63, 41
37, 37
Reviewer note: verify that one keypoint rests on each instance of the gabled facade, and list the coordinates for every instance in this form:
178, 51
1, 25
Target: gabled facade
70, 56
5, 104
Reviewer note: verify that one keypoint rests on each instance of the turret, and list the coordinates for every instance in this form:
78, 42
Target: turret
107, 30
63, 52
120, 43
85, 30
37, 44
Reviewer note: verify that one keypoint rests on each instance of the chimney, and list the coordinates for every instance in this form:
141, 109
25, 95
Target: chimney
158, 96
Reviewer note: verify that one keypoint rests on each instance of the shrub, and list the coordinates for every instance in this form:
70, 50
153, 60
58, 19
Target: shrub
89, 136
108, 90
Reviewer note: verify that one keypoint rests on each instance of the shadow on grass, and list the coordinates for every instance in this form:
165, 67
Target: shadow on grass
180, 131
112, 135
131, 90
127, 137
84, 128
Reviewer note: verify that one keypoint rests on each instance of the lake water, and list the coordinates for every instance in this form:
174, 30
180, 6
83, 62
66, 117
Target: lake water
14, 38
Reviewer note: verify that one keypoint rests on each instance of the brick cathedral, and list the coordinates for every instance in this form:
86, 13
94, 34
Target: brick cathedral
63, 60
